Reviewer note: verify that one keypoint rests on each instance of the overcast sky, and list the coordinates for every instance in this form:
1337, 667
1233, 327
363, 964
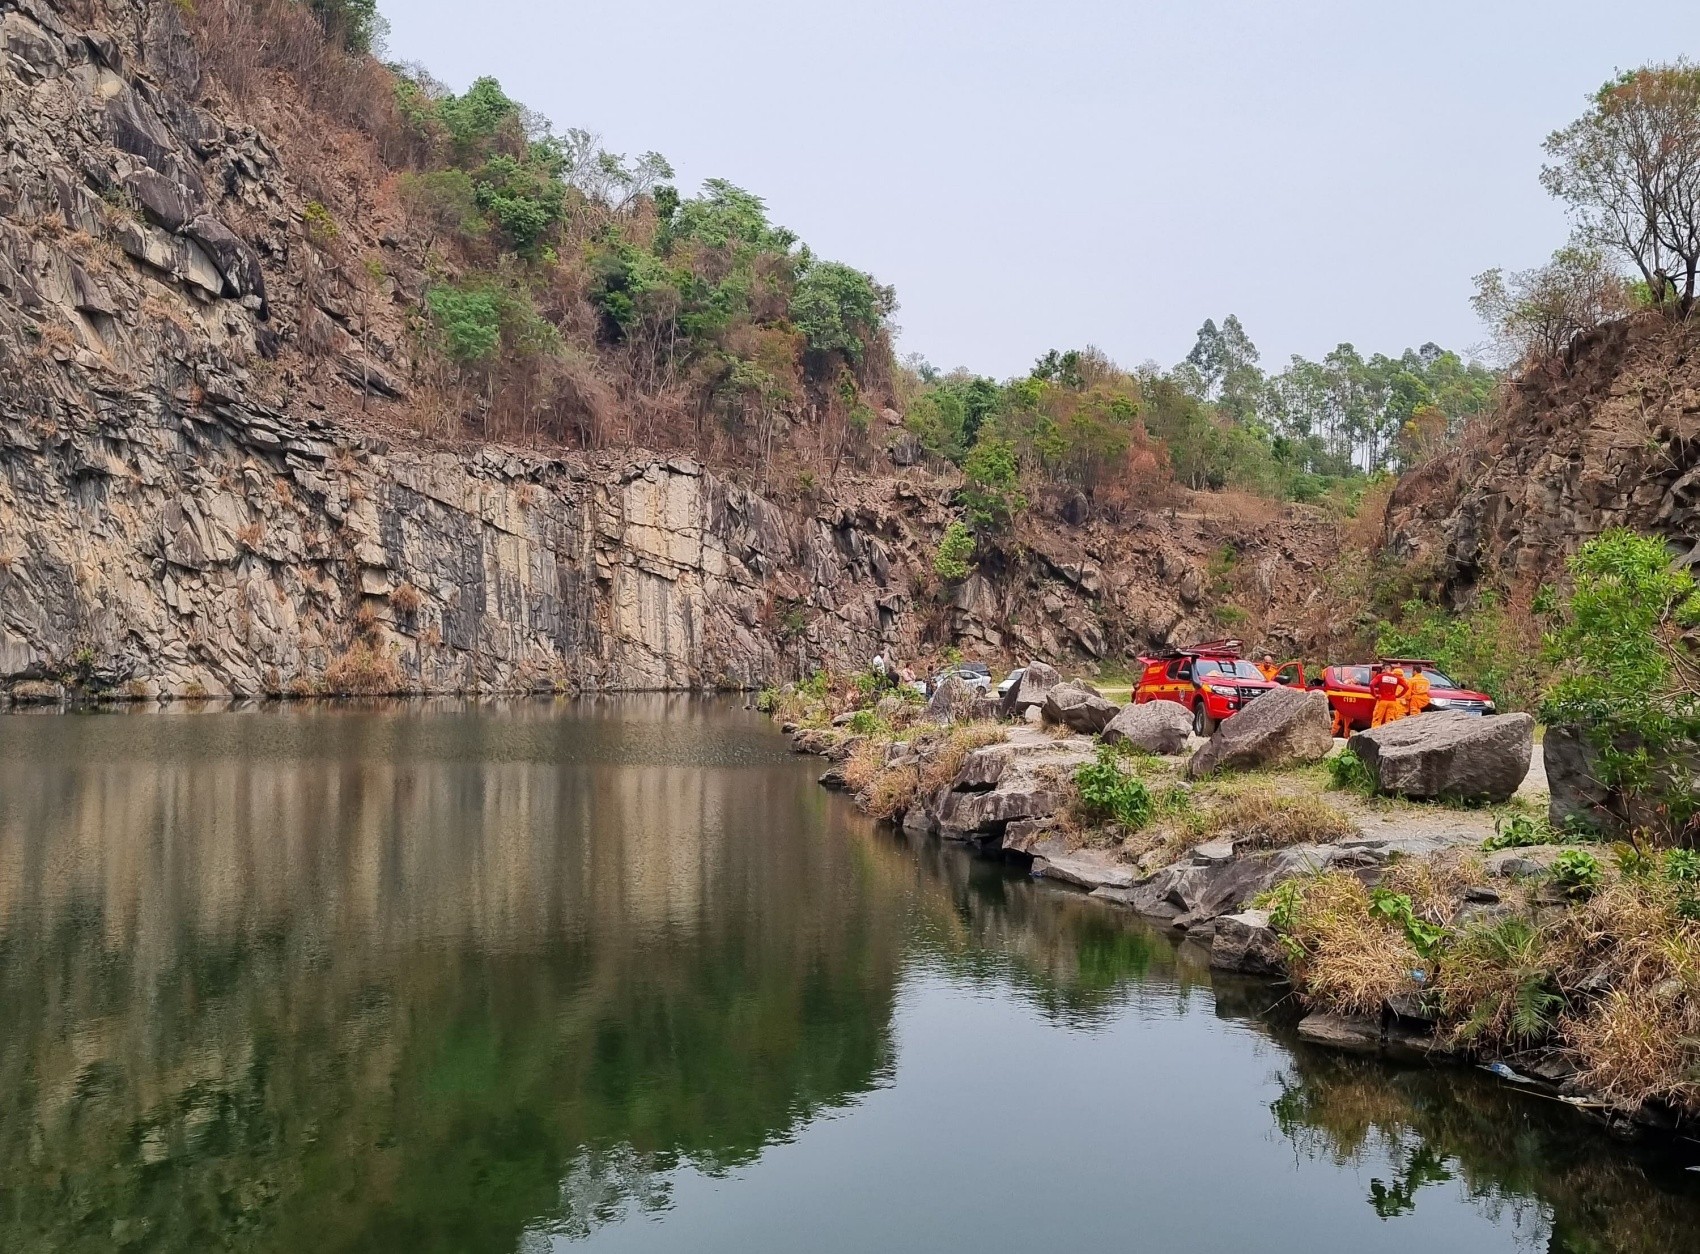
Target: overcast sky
1110, 172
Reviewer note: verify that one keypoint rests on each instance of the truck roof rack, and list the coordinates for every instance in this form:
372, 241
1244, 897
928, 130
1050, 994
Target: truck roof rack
1207, 648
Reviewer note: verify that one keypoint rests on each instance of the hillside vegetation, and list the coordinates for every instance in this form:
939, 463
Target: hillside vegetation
574, 295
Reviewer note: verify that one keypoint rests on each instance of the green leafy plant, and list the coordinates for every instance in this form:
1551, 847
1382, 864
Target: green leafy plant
1350, 773
1399, 910
1628, 680
1577, 872
866, 723
1519, 831
953, 561
1109, 793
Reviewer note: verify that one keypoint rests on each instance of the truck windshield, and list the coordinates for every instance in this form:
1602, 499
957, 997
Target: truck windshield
1226, 669
1438, 680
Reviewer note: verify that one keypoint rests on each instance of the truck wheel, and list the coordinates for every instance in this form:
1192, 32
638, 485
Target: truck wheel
1202, 723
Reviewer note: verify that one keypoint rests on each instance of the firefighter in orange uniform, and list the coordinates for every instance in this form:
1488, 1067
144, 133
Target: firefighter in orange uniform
1389, 687
1269, 667
1416, 700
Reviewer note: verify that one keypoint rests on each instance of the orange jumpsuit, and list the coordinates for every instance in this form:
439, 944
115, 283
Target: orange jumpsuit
1389, 688
1416, 700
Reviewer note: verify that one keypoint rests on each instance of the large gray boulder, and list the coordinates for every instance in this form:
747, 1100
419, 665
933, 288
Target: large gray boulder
1079, 709
1283, 727
1036, 681
1155, 727
952, 702
1449, 755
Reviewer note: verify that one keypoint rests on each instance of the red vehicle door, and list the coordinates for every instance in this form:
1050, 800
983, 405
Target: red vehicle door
1347, 688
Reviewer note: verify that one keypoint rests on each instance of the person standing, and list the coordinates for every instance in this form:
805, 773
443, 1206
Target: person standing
1389, 687
1269, 667
1416, 700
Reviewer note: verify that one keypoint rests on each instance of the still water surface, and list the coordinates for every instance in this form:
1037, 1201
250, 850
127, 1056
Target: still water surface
619, 976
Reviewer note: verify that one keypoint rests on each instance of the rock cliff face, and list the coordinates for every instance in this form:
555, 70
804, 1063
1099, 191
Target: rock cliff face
1609, 437
213, 476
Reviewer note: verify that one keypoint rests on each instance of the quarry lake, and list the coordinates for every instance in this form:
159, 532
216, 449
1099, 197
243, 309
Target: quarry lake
618, 974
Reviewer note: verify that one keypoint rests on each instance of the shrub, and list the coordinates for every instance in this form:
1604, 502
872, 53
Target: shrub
953, 561
992, 495
1518, 831
470, 320
1109, 793
1627, 678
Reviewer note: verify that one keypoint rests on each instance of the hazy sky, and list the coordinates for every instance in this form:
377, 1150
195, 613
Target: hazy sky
1038, 175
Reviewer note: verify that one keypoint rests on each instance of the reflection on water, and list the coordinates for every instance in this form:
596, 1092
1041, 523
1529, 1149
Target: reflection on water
460, 977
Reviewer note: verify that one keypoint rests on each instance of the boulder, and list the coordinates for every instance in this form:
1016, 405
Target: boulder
1453, 755
1073, 706
1155, 727
1036, 681
1282, 727
1246, 943
952, 702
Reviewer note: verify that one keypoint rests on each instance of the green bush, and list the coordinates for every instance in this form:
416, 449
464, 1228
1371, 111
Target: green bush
992, 495
1622, 679
470, 319
1577, 872
1107, 793
953, 561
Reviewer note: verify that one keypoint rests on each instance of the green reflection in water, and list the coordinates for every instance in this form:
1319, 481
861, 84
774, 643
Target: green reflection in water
1508, 1152
440, 977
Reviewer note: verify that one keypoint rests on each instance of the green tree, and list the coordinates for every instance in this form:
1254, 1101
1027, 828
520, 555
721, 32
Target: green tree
992, 496
839, 309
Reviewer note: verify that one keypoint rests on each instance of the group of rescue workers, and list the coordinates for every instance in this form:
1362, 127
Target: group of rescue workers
1397, 695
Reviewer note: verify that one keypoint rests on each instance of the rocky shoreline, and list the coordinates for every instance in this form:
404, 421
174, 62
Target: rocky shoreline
1010, 794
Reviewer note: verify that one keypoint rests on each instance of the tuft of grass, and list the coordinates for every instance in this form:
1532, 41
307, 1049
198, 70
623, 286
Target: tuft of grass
364, 670
1496, 984
1346, 956
1266, 819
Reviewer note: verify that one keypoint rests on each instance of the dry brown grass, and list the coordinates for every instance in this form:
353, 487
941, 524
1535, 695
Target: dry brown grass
1265, 819
1352, 961
942, 765
1641, 1040
251, 535
406, 599
365, 670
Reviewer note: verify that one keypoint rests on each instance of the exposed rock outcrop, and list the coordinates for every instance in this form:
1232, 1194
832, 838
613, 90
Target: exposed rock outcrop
1608, 436
1451, 755
1281, 727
